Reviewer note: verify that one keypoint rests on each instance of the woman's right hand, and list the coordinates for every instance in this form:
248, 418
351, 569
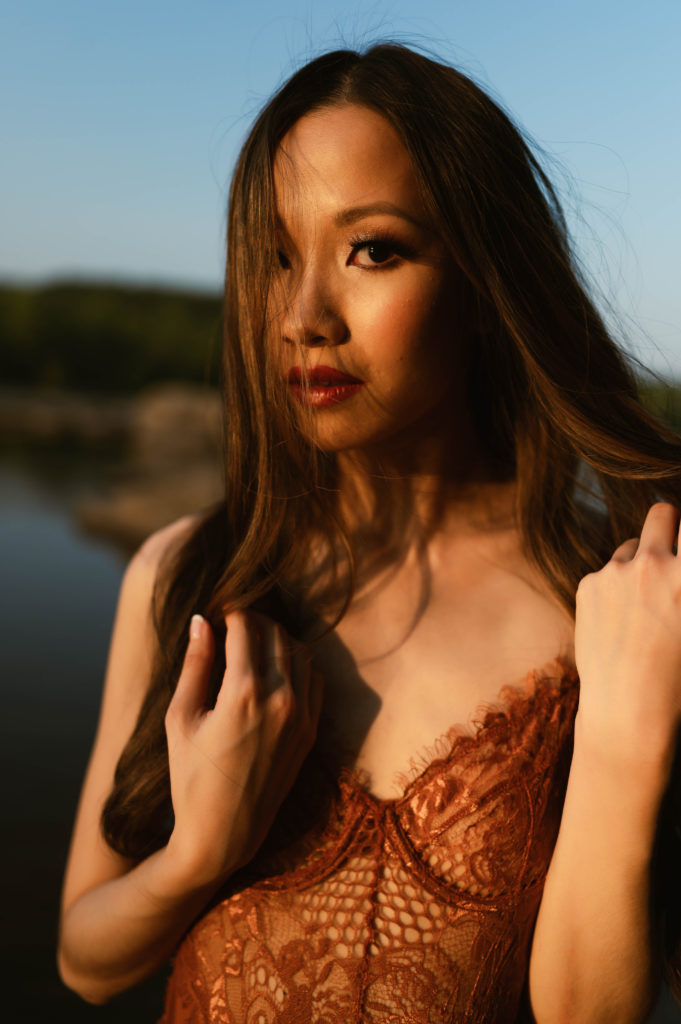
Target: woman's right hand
231, 766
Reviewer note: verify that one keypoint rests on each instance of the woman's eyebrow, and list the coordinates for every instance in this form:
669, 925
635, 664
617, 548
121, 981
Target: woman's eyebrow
354, 213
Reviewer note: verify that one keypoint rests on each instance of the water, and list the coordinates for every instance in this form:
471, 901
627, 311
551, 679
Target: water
57, 602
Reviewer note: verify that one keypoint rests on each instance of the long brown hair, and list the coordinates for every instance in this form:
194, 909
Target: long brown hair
555, 400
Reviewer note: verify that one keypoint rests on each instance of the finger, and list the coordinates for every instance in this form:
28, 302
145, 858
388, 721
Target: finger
626, 551
259, 626
191, 692
660, 529
243, 644
238, 642
277, 668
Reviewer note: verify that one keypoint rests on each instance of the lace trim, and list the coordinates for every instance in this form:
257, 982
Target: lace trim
501, 717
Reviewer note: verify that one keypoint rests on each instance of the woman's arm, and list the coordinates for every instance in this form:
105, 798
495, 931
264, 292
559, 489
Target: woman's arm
91, 862
592, 956
120, 931
230, 768
592, 960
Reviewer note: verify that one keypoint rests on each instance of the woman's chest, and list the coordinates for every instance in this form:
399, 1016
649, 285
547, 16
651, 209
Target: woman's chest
402, 668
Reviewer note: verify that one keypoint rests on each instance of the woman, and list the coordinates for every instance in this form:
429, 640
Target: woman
434, 453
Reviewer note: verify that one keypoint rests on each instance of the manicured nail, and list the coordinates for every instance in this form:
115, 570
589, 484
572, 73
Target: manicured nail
195, 627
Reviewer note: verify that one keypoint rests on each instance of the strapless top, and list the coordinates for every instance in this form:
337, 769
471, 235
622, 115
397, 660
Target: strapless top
412, 910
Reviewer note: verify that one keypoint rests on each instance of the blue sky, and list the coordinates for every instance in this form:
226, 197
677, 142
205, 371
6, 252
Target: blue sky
120, 124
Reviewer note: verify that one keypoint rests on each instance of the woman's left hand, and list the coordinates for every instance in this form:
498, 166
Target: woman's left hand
628, 646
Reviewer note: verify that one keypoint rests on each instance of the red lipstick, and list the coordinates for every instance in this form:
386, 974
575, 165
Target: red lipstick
327, 385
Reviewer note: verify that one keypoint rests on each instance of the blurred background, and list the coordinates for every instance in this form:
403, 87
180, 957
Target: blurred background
120, 127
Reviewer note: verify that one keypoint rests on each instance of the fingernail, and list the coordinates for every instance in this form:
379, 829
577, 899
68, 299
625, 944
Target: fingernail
195, 627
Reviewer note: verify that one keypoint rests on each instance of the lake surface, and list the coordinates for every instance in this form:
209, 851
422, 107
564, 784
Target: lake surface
57, 602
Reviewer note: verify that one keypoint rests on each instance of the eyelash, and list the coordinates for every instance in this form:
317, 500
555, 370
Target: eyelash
366, 240
383, 239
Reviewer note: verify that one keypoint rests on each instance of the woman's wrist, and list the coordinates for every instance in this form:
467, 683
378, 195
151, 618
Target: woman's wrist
186, 870
622, 783
642, 751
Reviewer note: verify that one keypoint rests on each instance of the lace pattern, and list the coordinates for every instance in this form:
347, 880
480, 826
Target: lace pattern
413, 909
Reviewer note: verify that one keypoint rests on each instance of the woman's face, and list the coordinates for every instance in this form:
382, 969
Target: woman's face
364, 285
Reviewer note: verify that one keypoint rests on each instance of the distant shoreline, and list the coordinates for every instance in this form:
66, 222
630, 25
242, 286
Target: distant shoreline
107, 337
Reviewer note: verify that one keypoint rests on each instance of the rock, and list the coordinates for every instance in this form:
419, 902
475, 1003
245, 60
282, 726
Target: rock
140, 506
175, 423
170, 435
175, 465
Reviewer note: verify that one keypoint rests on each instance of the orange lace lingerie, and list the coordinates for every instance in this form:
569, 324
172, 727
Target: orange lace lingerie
394, 911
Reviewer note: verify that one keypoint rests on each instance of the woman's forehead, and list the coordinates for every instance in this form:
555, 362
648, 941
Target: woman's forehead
343, 158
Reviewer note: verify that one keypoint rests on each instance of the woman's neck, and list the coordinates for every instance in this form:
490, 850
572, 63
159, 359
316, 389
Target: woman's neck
416, 487
418, 498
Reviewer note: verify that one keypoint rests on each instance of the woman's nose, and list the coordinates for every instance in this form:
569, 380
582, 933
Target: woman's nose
312, 314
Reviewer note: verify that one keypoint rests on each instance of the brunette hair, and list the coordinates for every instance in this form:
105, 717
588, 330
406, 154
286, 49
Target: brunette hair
555, 401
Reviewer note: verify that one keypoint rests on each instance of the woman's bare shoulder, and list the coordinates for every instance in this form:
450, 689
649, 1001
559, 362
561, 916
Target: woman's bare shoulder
139, 579
162, 543
134, 637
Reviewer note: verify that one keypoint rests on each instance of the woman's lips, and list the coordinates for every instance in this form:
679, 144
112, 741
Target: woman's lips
327, 385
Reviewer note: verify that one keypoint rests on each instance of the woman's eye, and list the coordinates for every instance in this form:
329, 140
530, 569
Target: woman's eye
373, 254
282, 260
